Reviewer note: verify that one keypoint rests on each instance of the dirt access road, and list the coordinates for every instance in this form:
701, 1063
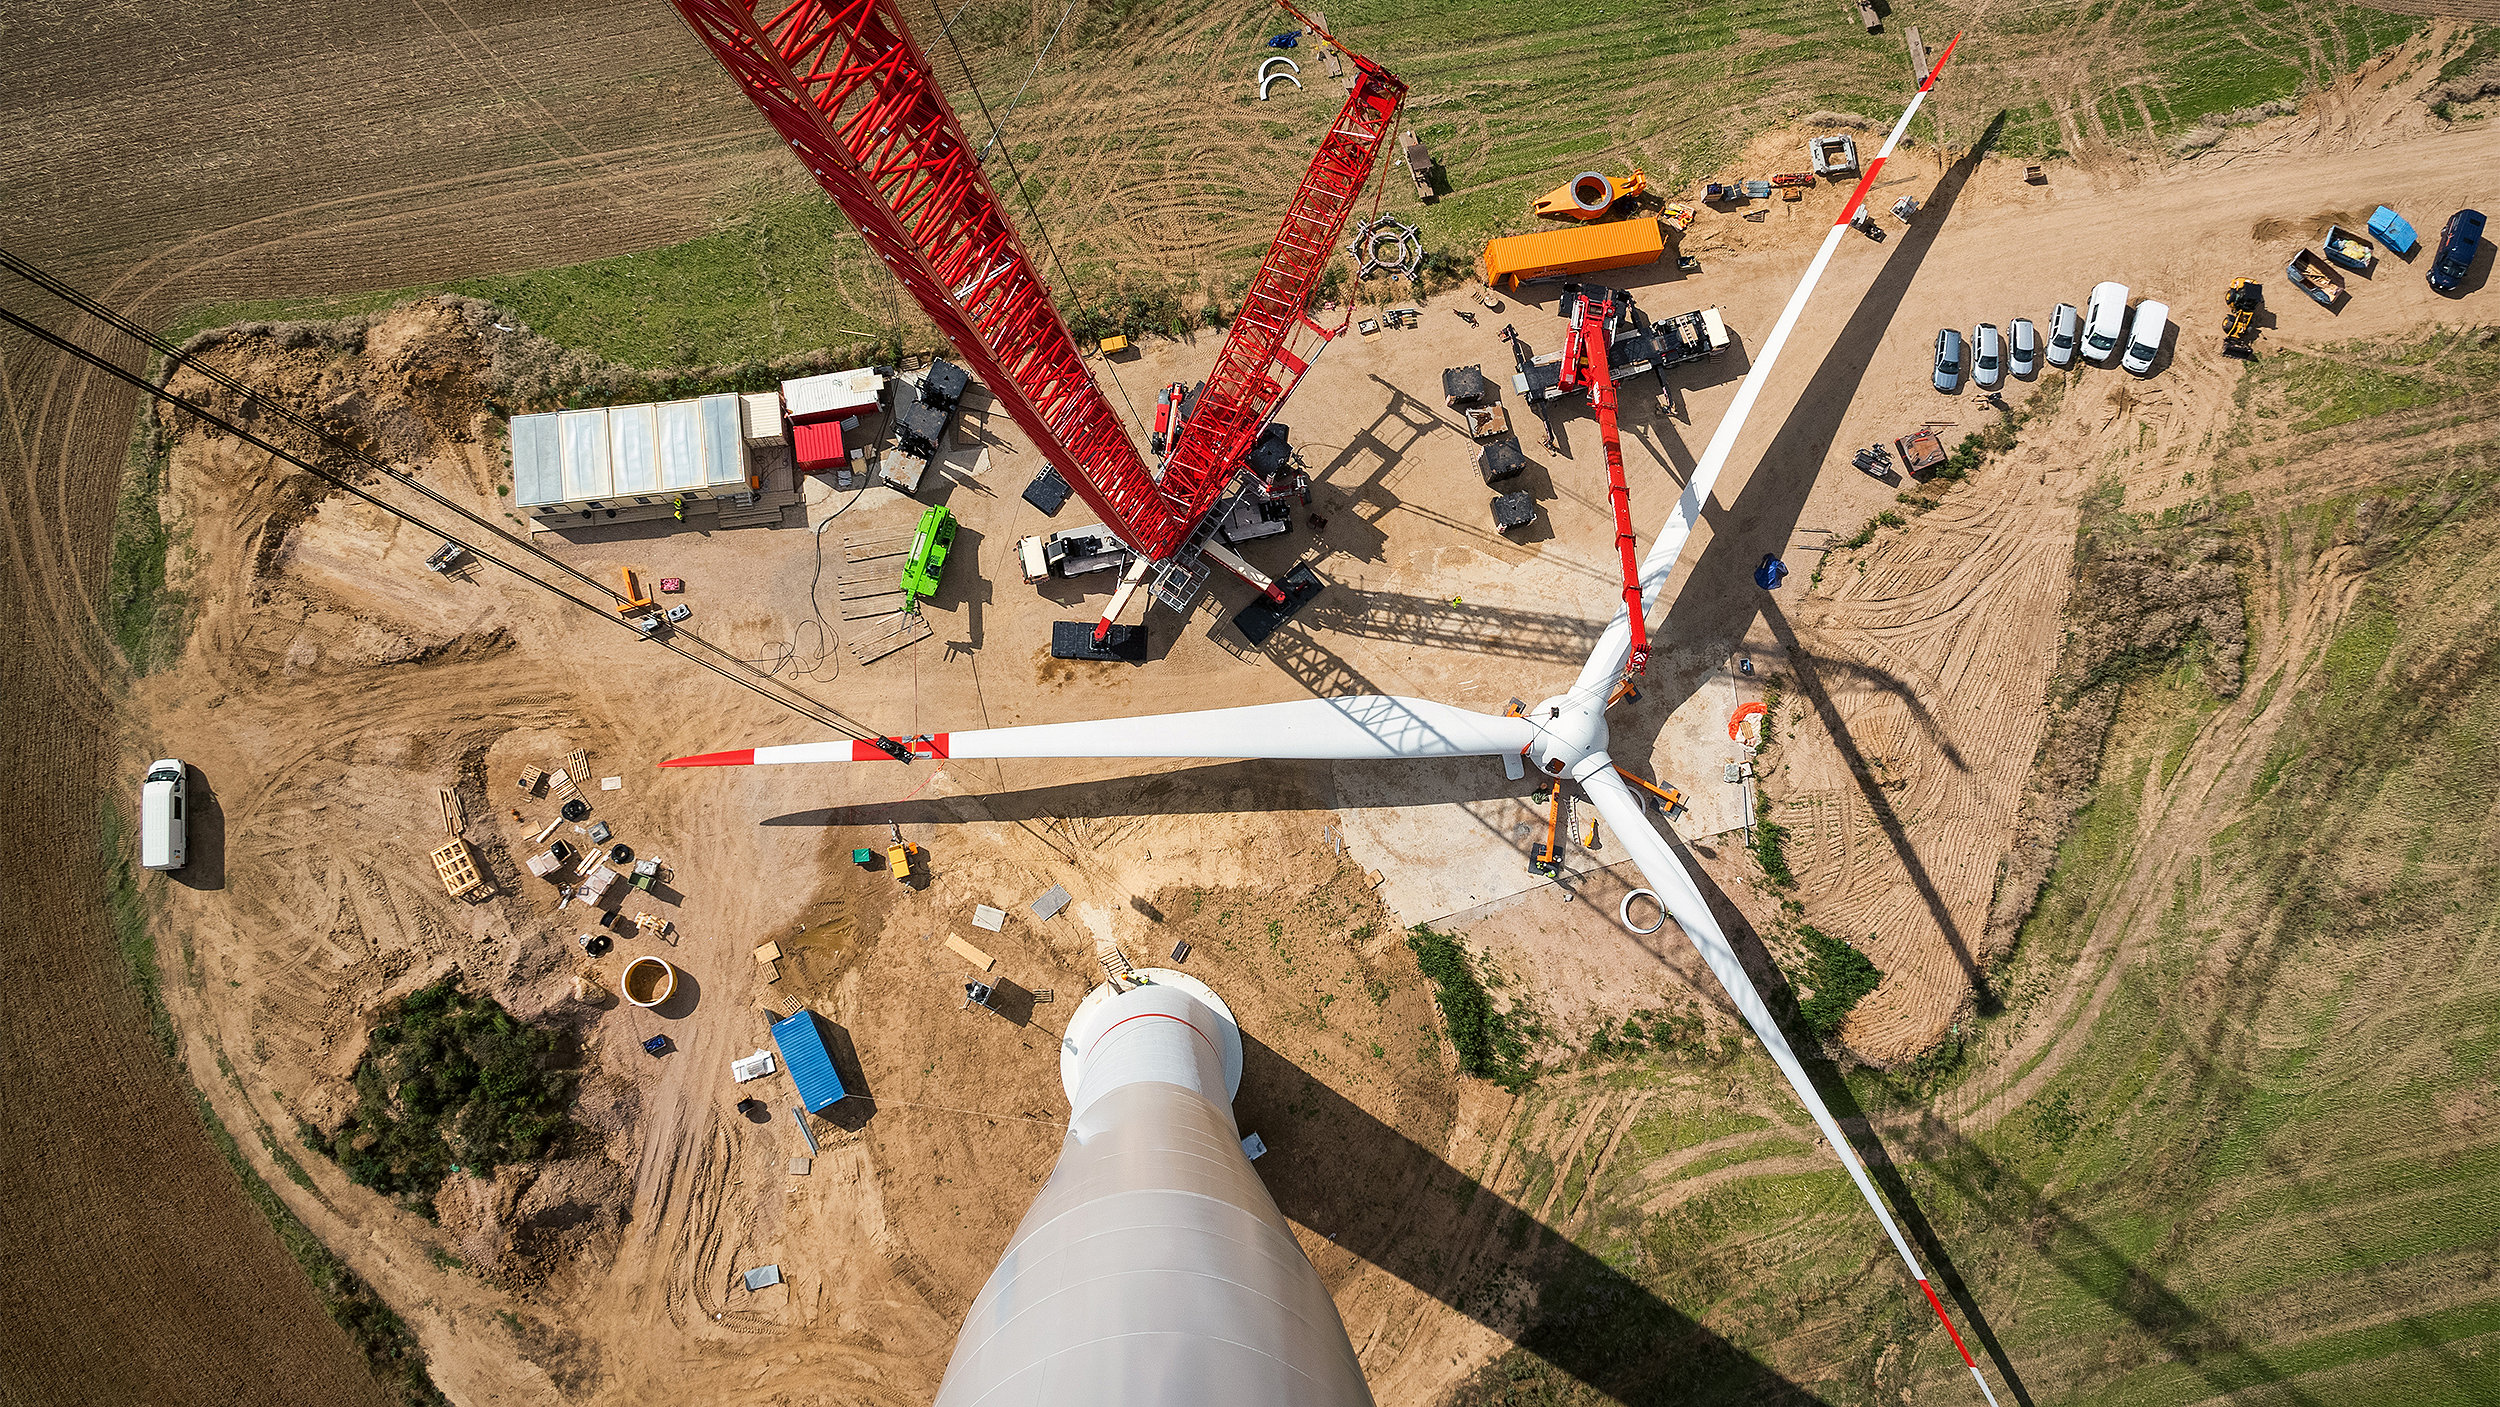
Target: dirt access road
331, 689
195, 152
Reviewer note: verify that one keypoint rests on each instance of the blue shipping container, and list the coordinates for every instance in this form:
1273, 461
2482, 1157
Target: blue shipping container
803, 1054
2390, 229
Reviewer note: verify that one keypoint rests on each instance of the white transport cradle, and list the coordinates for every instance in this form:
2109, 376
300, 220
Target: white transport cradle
1154, 1268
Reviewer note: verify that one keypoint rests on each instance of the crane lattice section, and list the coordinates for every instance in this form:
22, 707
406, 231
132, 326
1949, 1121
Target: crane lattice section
852, 93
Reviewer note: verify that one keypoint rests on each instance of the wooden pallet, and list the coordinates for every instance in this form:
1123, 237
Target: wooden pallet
870, 584
458, 869
885, 636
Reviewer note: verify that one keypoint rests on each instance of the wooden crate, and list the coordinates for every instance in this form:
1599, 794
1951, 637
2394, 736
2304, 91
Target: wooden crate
458, 869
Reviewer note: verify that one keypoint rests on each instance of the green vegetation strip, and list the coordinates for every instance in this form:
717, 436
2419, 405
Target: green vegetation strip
449, 1082
1488, 1042
1838, 975
146, 618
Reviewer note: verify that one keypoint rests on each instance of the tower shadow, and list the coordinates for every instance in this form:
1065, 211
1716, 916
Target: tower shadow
1336, 1169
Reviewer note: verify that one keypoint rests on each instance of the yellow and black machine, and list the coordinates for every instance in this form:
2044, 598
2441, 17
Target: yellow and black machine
2242, 303
898, 856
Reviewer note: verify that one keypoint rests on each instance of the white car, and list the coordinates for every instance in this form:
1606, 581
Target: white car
164, 832
1987, 352
2065, 330
2022, 349
2144, 342
2104, 318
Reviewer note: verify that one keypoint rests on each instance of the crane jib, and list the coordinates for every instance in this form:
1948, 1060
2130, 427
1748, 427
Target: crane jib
1584, 363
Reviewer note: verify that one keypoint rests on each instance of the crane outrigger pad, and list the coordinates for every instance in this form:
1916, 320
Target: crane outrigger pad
1048, 492
1259, 619
1074, 640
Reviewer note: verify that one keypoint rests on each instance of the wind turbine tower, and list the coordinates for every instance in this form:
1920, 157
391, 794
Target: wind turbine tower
1153, 1267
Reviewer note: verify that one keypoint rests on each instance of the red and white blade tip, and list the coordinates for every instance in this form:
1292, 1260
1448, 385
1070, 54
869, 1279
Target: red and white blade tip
1939, 68
743, 757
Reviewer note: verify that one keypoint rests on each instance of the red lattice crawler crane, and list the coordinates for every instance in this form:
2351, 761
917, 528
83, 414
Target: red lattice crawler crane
854, 96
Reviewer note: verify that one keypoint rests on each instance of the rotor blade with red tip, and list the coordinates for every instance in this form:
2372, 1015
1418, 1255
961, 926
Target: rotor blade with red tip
1367, 726
1682, 899
1606, 661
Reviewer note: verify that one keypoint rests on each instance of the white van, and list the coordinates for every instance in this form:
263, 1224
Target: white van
164, 832
2144, 343
2104, 317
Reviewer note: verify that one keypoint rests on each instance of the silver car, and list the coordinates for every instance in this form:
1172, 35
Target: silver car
2065, 327
2022, 349
1987, 351
1948, 361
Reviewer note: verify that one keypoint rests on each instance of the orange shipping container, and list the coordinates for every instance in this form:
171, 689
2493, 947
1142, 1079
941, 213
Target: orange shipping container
1557, 253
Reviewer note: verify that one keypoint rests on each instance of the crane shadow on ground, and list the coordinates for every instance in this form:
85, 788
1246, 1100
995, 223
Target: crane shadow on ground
1335, 1168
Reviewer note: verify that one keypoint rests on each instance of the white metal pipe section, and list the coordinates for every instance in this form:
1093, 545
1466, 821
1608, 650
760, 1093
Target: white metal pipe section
1153, 1268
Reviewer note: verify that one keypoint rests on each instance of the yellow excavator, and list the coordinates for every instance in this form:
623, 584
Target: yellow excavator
2239, 323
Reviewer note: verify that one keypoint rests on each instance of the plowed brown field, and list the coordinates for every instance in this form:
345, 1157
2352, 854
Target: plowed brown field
172, 154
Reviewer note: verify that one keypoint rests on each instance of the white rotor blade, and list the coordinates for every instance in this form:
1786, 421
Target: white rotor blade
1366, 726
1614, 647
1683, 900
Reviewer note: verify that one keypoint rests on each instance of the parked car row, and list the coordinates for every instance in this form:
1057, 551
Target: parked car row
2101, 330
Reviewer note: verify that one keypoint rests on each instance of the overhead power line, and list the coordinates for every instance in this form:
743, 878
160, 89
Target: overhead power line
686, 644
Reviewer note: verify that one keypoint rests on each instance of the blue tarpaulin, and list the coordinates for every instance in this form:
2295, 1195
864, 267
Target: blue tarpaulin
802, 1043
2390, 229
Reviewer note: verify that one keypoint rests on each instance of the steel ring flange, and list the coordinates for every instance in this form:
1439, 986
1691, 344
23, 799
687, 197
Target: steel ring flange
1623, 911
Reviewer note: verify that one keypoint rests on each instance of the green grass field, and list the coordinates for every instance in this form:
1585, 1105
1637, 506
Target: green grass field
2265, 1158
1511, 96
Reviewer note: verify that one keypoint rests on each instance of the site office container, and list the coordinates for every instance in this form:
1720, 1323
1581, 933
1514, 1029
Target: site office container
1582, 249
801, 1042
614, 457
164, 828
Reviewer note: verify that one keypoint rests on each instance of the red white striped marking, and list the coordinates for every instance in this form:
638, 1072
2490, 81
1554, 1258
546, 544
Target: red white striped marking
1857, 197
1950, 1331
1866, 182
934, 746
743, 757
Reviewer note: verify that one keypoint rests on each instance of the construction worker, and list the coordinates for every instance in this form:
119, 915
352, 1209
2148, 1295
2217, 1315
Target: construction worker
677, 507
1772, 571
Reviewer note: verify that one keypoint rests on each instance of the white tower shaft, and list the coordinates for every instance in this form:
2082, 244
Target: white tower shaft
1153, 1268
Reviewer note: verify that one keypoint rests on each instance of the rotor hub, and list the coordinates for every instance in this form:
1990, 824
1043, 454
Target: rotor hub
1570, 729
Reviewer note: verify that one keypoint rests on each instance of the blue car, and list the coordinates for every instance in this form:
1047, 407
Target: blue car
2455, 251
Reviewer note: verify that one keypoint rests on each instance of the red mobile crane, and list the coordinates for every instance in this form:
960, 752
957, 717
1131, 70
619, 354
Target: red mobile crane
854, 96
1584, 363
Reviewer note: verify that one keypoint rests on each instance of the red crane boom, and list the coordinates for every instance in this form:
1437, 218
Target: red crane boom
1584, 363
1273, 339
853, 95
846, 86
